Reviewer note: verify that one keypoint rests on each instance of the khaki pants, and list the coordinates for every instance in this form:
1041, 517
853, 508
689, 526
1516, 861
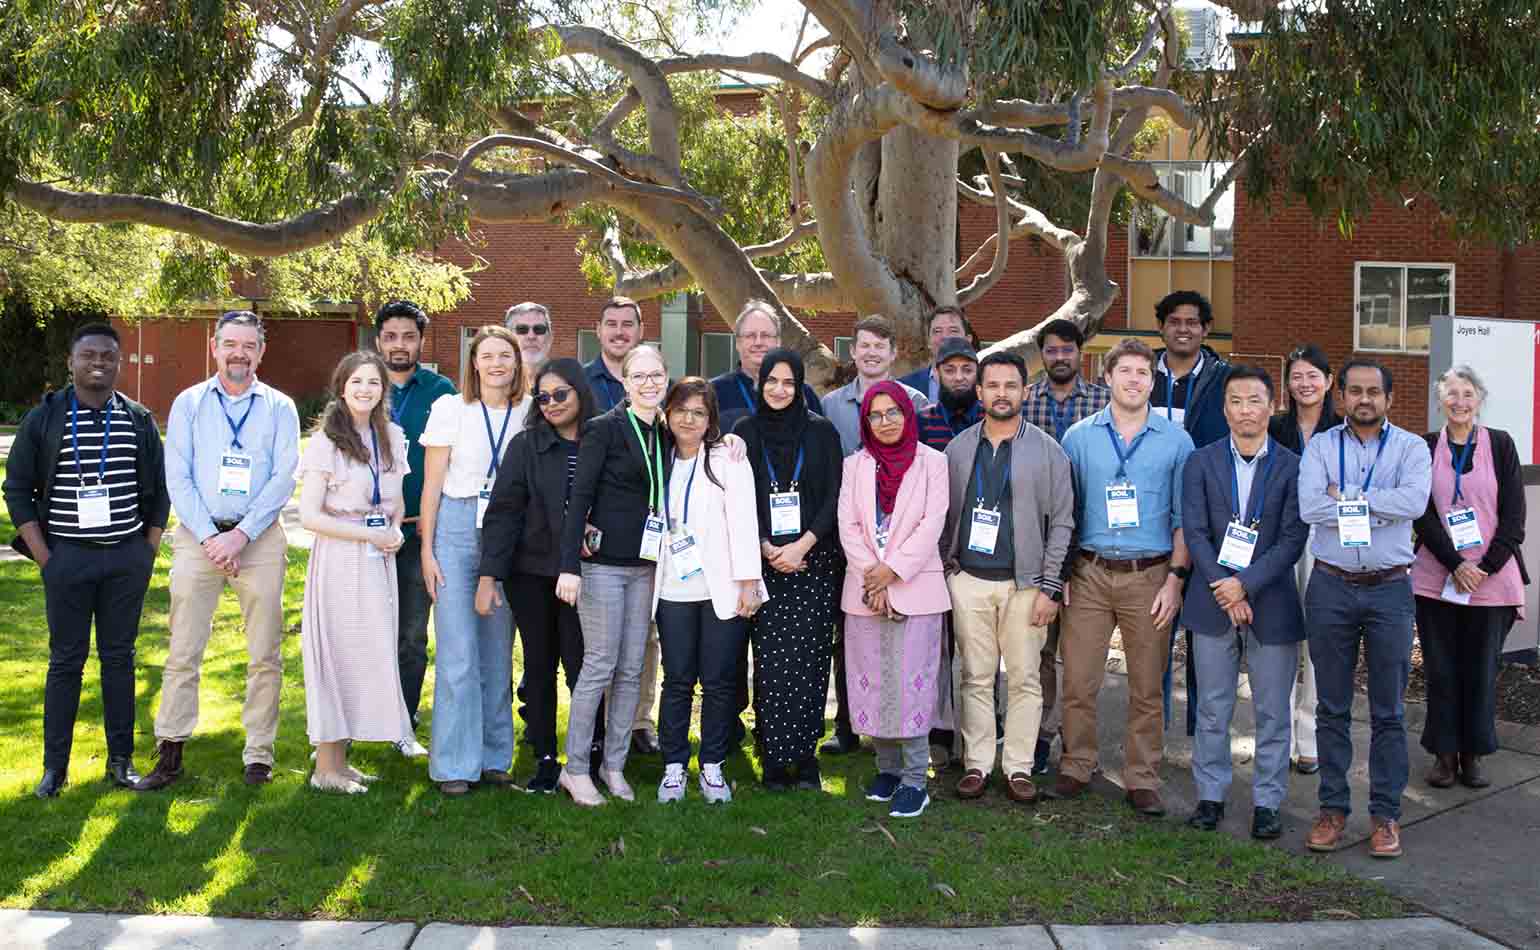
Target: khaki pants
195, 590
1100, 599
991, 620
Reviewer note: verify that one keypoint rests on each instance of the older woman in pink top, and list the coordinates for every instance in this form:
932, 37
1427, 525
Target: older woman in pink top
892, 508
1469, 579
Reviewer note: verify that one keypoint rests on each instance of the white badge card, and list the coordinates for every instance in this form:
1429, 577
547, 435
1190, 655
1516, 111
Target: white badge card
1122, 506
1463, 528
983, 530
652, 538
483, 499
374, 521
1239, 545
1353, 522
785, 513
882, 534
235, 474
684, 556
1452, 593
94, 507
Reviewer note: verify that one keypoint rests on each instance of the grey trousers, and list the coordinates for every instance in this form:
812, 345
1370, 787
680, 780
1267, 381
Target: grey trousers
1272, 668
615, 608
909, 759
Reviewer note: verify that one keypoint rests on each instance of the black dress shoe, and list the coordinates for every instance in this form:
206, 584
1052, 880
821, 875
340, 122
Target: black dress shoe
808, 776
840, 744
1208, 816
1266, 823
776, 778
53, 780
257, 773
121, 771
1040, 756
643, 743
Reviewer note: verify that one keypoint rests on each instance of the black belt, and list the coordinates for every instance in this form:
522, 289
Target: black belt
223, 526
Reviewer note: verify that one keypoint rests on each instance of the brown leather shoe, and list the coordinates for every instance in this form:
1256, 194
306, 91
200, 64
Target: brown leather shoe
168, 767
455, 789
1066, 787
496, 777
1472, 775
1385, 842
972, 784
258, 773
1441, 774
1146, 801
1020, 788
1327, 832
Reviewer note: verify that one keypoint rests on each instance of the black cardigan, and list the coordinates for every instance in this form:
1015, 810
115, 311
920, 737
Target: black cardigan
521, 533
1508, 538
822, 467
1286, 434
609, 490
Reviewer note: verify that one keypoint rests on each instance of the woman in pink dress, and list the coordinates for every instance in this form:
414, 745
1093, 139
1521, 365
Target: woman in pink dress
351, 501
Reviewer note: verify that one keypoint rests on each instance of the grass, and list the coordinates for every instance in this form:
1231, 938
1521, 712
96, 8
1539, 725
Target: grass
211, 845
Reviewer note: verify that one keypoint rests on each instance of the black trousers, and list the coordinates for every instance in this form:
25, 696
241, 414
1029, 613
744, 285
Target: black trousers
550, 633
842, 727
412, 607
105, 585
1462, 647
697, 646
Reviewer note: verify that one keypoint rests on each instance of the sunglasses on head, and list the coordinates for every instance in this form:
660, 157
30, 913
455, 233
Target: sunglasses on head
557, 396
525, 329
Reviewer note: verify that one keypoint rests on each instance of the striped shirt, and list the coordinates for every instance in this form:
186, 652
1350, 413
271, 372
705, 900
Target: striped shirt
121, 479
1087, 399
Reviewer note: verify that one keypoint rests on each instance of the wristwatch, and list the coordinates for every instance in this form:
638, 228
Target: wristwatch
1183, 572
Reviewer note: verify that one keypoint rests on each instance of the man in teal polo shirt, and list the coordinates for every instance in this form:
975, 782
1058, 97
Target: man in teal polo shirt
399, 327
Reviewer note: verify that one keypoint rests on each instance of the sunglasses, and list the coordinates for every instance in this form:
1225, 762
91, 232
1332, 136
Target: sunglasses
525, 329
557, 396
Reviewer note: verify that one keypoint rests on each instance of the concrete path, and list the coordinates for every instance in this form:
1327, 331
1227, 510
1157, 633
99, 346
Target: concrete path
24, 930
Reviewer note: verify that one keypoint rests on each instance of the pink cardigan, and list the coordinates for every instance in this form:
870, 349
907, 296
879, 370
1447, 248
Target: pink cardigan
727, 529
914, 536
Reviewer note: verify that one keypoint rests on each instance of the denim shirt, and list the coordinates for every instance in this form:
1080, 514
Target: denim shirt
1155, 470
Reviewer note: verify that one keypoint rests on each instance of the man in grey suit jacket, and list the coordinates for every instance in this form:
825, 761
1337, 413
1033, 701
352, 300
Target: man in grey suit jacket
1240, 516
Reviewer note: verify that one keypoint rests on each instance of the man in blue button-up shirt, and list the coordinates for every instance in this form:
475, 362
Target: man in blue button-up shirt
1128, 574
232, 447
1360, 591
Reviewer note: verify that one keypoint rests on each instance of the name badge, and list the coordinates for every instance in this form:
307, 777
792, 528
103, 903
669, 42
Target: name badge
684, 556
1122, 506
1239, 545
983, 530
785, 513
483, 499
882, 534
1353, 522
375, 520
1452, 593
1463, 528
93, 507
652, 538
235, 474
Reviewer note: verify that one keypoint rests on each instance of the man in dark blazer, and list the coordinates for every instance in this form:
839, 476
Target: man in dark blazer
1240, 517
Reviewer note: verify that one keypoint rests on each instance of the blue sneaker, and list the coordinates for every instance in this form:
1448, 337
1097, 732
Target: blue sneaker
882, 787
909, 802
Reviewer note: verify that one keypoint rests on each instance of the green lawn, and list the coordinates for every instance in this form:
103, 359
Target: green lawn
210, 845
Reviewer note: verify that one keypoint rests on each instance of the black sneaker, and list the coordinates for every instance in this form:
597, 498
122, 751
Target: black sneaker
546, 772
1266, 824
1040, 756
1207, 816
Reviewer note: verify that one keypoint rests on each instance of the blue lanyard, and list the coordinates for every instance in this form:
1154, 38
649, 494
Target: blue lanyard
497, 444
1342, 458
374, 464
775, 482
1258, 486
235, 427
1460, 460
1117, 446
399, 405
101, 468
685, 517
978, 477
748, 397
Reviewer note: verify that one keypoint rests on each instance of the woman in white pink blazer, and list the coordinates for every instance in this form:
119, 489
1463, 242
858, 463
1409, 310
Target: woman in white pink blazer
892, 507
708, 585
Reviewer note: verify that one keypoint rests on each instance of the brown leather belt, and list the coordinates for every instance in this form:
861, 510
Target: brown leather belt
1365, 578
1126, 566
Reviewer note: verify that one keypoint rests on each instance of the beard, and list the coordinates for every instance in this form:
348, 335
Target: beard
958, 401
1063, 372
400, 364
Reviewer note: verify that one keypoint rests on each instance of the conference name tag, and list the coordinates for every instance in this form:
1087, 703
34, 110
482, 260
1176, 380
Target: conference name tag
684, 555
1122, 506
375, 521
882, 535
1239, 546
483, 500
235, 474
1353, 522
94, 507
652, 538
785, 513
983, 531
1464, 530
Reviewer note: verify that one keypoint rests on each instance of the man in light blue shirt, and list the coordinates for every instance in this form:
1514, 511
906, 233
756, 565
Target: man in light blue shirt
1128, 572
1361, 485
232, 447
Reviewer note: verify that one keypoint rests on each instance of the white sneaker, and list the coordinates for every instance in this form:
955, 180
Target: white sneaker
410, 748
712, 785
671, 789
615, 780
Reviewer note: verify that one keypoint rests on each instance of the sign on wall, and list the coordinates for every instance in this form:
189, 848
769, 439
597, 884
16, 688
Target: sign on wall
1505, 354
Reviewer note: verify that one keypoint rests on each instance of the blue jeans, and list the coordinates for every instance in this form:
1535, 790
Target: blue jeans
472, 689
1339, 615
613, 608
1272, 667
698, 647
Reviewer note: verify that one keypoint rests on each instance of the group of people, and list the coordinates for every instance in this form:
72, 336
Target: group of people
960, 546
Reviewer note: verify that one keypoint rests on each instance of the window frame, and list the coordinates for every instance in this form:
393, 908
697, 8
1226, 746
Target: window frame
1358, 267
1163, 168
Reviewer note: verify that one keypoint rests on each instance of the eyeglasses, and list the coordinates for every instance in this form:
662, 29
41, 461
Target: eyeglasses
691, 415
759, 337
557, 396
641, 379
888, 415
525, 329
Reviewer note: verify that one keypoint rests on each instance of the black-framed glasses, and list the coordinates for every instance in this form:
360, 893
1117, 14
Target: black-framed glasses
878, 417
525, 329
557, 396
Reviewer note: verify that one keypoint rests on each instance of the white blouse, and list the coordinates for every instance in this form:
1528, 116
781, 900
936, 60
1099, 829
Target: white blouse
462, 427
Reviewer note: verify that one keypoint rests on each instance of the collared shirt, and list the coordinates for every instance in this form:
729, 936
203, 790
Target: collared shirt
843, 408
609, 392
198, 434
1246, 473
410, 406
1397, 495
120, 475
939, 426
1172, 403
1086, 399
1155, 470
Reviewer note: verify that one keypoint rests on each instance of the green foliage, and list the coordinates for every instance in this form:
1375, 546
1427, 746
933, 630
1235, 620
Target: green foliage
33, 349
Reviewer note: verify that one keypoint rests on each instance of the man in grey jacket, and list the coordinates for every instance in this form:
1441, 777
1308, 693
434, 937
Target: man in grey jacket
1008, 529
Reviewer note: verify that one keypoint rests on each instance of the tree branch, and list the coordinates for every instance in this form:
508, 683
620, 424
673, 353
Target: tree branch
648, 80
1052, 152
325, 45
1022, 114
759, 64
673, 277
1146, 46
614, 252
981, 284
1143, 179
818, 291
1031, 222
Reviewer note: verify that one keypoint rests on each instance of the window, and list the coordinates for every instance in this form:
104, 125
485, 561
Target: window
717, 354
1154, 233
588, 346
466, 335
1397, 302
842, 349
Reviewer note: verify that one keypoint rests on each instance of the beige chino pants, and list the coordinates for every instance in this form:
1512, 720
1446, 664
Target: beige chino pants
992, 620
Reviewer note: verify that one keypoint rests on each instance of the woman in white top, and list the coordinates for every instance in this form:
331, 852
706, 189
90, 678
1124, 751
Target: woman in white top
708, 585
464, 442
